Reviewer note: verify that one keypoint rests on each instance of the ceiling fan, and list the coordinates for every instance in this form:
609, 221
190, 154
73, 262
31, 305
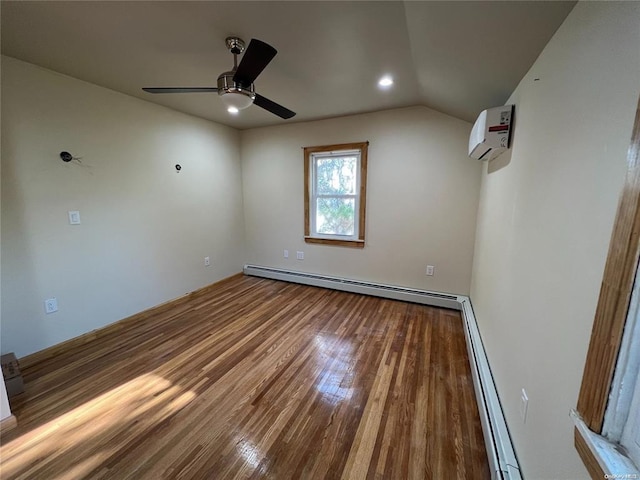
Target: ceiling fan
236, 87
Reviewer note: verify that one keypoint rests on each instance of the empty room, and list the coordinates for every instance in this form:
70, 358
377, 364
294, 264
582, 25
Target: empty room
320, 239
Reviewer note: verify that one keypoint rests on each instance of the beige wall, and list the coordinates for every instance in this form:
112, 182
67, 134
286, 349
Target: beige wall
422, 198
145, 229
544, 223
5, 409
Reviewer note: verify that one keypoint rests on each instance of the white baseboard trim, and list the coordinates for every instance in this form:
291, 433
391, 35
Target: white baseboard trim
500, 452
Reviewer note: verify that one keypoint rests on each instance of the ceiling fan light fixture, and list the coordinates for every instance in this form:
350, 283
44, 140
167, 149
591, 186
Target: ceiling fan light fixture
385, 82
236, 100
235, 96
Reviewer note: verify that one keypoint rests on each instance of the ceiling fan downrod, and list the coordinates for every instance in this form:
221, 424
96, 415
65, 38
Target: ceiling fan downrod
235, 46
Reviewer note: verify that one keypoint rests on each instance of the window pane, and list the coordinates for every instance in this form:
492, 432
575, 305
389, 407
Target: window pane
336, 175
335, 216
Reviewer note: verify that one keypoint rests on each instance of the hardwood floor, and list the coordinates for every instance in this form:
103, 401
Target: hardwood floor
257, 379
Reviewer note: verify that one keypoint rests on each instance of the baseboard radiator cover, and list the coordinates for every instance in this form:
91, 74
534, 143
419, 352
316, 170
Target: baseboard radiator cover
500, 452
502, 457
426, 297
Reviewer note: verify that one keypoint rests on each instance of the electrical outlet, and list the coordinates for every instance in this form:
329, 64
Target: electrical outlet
524, 405
51, 305
430, 270
286, 254
300, 255
207, 261
74, 217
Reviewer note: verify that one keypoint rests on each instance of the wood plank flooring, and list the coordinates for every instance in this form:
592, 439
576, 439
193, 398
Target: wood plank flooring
257, 379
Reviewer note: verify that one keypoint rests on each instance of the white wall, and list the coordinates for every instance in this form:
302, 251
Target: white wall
544, 223
145, 229
422, 195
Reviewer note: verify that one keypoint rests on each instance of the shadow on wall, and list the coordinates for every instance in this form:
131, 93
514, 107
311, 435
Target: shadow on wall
499, 162
16, 239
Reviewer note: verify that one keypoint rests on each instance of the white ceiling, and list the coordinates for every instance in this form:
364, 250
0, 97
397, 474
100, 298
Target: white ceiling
456, 57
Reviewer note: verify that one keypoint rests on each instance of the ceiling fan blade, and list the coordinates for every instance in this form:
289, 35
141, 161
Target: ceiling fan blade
273, 107
255, 58
179, 89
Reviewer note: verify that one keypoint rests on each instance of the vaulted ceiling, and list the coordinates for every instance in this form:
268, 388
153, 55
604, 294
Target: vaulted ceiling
456, 57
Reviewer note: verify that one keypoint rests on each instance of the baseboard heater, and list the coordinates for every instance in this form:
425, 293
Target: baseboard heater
356, 286
500, 452
502, 457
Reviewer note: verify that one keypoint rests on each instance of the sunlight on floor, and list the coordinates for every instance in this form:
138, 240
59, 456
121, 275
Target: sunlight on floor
86, 436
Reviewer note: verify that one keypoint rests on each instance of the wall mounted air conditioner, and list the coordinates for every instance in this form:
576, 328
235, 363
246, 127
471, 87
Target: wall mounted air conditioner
491, 134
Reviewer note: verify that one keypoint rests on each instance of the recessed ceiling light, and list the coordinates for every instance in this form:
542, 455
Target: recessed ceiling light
385, 82
233, 110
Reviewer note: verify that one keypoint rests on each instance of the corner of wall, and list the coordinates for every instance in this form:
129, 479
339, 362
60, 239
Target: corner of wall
544, 223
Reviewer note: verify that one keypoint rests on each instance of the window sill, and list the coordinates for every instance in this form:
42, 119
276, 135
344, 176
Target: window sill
601, 458
338, 243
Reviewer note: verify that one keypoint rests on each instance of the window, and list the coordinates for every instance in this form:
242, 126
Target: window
630, 438
621, 424
615, 308
335, 185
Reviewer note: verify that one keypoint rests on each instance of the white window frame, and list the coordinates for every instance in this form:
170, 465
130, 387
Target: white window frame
630, 438
313, 187
622, 416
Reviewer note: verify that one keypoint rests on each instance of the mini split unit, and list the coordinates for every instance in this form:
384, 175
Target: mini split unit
491, 134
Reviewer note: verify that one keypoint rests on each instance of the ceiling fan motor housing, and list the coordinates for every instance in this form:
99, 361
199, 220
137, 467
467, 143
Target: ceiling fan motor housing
227, 85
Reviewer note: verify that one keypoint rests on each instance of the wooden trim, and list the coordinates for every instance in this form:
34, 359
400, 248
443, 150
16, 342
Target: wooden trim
307, 191
363, 191
335, 147
615, 293
339, 243
587, 456
50, 352
363, 147
8, 424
